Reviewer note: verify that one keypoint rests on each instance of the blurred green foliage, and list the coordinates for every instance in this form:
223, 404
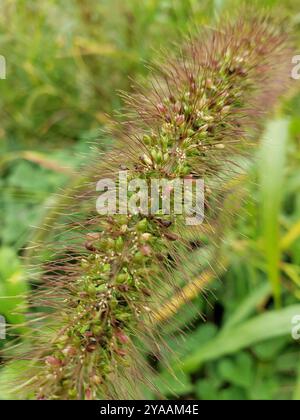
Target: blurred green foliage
65, 63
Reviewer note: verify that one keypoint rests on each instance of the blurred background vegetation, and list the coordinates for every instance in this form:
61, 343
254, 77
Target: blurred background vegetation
65, 63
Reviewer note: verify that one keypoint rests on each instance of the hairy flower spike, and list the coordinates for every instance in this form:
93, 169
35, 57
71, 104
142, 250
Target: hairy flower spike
102, 290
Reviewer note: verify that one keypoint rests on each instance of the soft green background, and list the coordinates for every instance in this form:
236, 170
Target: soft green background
66, 60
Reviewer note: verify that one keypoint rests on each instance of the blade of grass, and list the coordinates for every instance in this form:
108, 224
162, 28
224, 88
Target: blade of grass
290, 237
248, 306
261, 328
272, 166
292, 271
35, 157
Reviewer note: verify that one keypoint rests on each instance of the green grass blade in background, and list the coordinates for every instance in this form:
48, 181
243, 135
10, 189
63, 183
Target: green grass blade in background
248, 306
272, 168
291, 236
13, 287
9, 375
261, 328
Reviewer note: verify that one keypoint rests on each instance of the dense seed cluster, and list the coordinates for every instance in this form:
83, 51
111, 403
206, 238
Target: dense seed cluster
198, 114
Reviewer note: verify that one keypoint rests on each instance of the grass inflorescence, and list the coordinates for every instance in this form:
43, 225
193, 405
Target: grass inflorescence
106, 275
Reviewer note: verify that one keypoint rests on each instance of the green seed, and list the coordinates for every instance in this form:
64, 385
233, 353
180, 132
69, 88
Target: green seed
138, 257
122, 278
119, 244
147, 140
142, 226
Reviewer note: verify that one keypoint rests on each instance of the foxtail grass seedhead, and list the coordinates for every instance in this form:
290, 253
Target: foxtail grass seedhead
110, 273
